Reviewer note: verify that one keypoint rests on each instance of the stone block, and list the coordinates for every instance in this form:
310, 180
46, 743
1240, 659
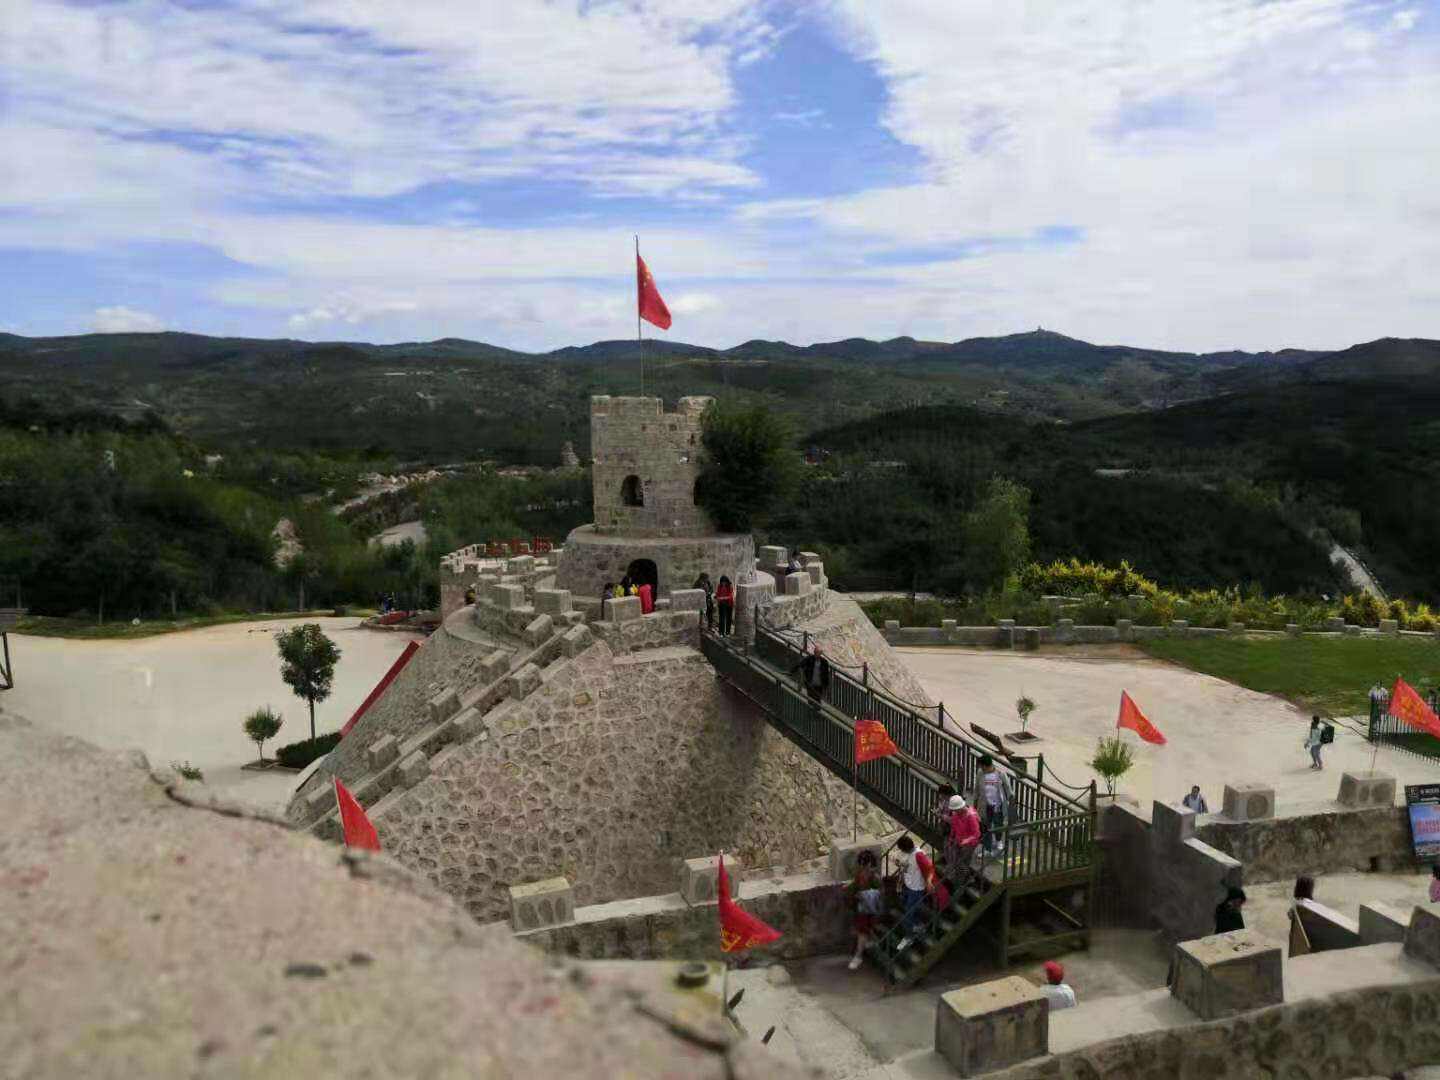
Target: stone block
1422, 936
1179, 626
382, 752
1292, 629
843, 854
623, 608
444, 705
1335, 624
1351, 630
1325, 928
412, 770
1123, 628
989, 1026
1032, 639
1225, 974
1382, 922
772, 556
1237, 628
539, 629
520, 564
1248, 802
541, 903
552, 601
687, 599
522, 682
1362, 789
797, 584
1171, 824
576, 640
1390, 626
508, 597
809, 557
816, 570
683, 620
699, 879
1064, 630
947, 626
466, 724
892, 624
322, 798
495, 665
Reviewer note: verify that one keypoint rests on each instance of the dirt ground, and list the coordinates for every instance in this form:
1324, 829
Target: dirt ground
1217, 733
182, 697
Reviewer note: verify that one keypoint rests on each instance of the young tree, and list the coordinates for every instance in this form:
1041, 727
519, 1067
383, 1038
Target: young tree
1112, 760
750, 464
997, 533
264, 724
1023, 708
307, 664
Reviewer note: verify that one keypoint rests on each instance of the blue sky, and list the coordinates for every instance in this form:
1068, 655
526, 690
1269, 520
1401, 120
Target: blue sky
1192, 174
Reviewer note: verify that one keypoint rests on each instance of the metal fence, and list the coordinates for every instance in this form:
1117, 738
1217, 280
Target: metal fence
1392, 732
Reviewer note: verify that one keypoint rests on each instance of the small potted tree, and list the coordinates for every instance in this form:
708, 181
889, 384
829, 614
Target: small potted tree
1112, 760
260, 725
1024, 706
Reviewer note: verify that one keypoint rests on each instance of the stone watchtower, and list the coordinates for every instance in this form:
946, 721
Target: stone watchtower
647, 525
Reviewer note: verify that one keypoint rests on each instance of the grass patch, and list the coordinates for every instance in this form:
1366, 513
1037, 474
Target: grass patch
1324, 675
53, 626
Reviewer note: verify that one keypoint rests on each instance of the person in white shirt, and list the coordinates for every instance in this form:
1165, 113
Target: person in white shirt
1195, 801
995, 803
1056, 990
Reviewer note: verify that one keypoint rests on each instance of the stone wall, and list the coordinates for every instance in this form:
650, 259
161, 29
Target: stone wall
611, 773
851, 640
1370, 1032
659, 629
1326, 840
635, 437
590, 560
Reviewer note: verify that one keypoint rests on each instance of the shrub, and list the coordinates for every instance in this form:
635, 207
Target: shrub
188, 771
260, 725
1112, 760
1023, 708
298, 755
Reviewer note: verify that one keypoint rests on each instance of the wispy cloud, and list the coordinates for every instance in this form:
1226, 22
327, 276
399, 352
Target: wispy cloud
123, 320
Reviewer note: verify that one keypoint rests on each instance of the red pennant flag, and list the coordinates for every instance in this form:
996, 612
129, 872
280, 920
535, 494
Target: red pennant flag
359, 832
739, 930
1407, 705
872, 741
1131, 717
652, 308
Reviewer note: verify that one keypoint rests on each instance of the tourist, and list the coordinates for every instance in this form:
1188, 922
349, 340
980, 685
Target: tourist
1227, 912
647, 600
995, 799
814, 671
942, 804
469, 595
1435, 884
1195, 801
917, 878
865, 894
961, 840
725, 605
607, 593
793, 566
1313, 739
627, 587
703, 582
1056, 990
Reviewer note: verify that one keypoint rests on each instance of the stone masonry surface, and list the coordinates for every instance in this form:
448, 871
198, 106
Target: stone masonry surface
633, 438
611, 774
156, 936
1315, 840
591, 559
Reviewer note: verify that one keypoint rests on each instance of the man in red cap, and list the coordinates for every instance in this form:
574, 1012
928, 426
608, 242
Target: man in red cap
1056, 990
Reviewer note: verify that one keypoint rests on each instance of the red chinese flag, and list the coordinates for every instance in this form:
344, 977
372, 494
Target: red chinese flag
652, 308
358, 830
1409, 706
739, 930
1134, 719
872, 741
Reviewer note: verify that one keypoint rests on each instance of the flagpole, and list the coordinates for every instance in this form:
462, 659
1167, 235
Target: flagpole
639, 336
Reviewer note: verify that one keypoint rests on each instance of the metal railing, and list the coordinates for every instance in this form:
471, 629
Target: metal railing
1387, 730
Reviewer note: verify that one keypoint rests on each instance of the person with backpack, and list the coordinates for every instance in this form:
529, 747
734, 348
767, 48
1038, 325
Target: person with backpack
917, 879
1314, 739
725, 605
814, 671
994, 799
866, 897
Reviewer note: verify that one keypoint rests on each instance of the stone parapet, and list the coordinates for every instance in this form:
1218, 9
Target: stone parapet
1225, 974
542, 903
1382, 922
591, 559
1364, 789
843, 854
1328, 840
653, 631
991, 1025
1422, 937
699, 878
1248, 802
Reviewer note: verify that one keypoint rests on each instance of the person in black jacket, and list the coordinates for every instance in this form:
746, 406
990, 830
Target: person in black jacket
814, 671
703, 582
1227, 913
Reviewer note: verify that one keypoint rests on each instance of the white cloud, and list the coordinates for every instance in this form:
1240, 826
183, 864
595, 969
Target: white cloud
348, 310
123, 320
1405, 19
695, 303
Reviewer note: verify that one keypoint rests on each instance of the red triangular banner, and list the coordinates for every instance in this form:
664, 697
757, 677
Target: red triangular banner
739, 930
872, 741
1407, 705
652, 308
359, 832
1131, 717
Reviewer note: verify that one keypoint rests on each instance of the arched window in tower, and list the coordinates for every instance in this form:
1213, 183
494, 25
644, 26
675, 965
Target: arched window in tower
631, 491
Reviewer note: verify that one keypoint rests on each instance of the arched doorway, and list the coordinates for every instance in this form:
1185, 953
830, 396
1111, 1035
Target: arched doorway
632, 492
643, 572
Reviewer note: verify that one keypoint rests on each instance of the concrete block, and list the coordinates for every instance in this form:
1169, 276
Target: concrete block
1361, 789
843, 854
521, 683
1225, 974
1390, 626
552, 601
1382, 922
1422, 936
699, 878
520, 564
323, 797
816, 570
623, 608
466, 724
576, 640
797, 584
687, 600
382, 752
1237, 628
989, 1026
1351, 630
772, 556
1292, 629
947, 626
541, 903
1064, 630
1326, 928
1171, 824
1335, 624
1179, 626
1123, 628
495, 665
807, 558
539, 629
444, 705
683, 620
1248, 802
508, 597
412, 770
1032, 638
892, 624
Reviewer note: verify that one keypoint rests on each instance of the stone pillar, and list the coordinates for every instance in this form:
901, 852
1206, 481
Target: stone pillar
1390, 626
1248, 802
1335, 625
1225, 974
552, 601
843, 854
699, 879
1064, 630
983, 1028
623, 608
541, 903
797, 584
1361, 789
1122, 628
1179, 627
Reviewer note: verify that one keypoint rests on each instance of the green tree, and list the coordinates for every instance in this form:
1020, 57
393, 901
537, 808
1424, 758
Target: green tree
307, 664
749, 464
264, 724
1023, 708
1112, 760
997, 533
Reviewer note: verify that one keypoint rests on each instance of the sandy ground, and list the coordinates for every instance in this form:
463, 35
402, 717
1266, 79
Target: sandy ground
398, 534
182, 697
1217, 733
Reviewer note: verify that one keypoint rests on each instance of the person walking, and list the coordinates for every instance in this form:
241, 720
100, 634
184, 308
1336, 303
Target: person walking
1056, 990
1435, 884
1195, 801
995, 802
1227, 912
961, 840
725, 605
917, 878
1313, 740
814, 670
703, 582
865, 898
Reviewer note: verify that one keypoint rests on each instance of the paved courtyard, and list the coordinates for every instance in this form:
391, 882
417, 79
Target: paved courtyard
1217, 733
182, 697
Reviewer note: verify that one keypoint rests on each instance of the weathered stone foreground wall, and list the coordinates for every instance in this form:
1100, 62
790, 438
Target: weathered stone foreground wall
1324, 841
1372, 1032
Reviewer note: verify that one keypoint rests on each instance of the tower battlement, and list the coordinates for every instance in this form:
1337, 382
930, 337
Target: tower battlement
646, 461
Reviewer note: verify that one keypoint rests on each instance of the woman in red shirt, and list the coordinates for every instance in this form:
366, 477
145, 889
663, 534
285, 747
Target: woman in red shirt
725, 604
